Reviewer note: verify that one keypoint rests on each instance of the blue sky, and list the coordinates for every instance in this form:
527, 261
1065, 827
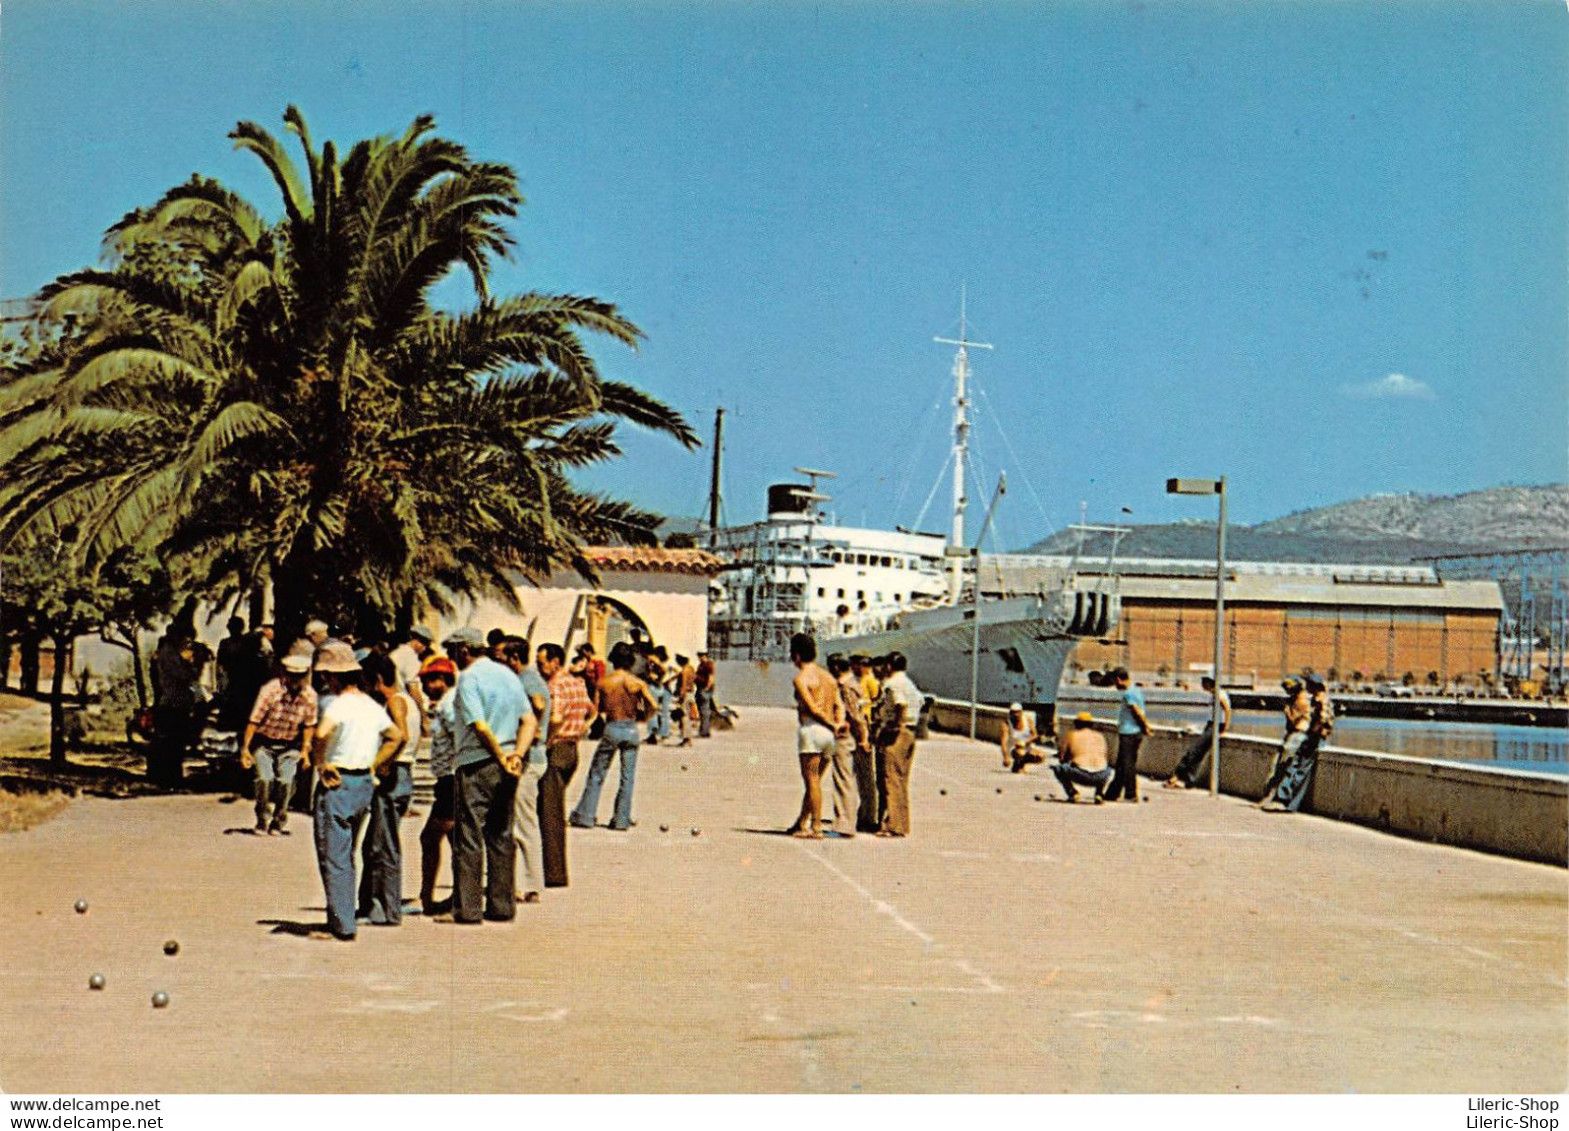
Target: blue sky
1318, 247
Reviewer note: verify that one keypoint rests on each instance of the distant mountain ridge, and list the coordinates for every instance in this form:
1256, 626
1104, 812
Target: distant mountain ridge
1378, 529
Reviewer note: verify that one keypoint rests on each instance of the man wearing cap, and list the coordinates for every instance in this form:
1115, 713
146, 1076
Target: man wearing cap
1132, 726
355, 738
277, 738
315, 636
896, 745
489, 706
1082, 760
407, 658
1197, 755
438, 675
1019, 737
1298, 714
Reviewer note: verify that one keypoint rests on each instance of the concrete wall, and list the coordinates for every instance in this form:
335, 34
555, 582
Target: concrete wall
1511, 812
753, 683
674, 606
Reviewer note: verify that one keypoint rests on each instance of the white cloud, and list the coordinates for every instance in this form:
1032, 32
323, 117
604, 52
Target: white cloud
1393, 387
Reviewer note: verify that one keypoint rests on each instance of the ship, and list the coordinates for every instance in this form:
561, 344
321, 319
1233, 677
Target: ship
922, 593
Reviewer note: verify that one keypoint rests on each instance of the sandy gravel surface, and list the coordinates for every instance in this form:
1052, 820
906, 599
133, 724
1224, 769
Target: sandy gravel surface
1010, 945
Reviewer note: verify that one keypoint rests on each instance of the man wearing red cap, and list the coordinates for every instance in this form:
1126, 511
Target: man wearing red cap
437, 677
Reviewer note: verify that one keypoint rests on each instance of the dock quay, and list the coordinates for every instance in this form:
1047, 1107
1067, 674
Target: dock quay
1009, 945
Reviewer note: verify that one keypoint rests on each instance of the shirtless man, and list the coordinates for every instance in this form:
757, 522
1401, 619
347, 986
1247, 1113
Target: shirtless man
820, 720
623, 700
1083, 759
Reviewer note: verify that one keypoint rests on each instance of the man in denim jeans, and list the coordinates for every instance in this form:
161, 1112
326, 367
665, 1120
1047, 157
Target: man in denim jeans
1083, 759
623, 700
277, 739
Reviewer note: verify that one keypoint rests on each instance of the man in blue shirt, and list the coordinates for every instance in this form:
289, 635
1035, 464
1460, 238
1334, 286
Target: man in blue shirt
1132, 726
489, 705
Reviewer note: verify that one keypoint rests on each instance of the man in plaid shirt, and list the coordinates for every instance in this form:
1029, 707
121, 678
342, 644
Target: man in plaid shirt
282, 724
571, 711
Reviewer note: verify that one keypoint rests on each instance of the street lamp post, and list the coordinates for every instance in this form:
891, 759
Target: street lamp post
1213, 487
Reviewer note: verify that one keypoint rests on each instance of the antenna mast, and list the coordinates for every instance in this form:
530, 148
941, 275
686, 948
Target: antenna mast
961, 445
713, 483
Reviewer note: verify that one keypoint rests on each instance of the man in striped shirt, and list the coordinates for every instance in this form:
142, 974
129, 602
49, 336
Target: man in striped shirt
277, 738
571, 711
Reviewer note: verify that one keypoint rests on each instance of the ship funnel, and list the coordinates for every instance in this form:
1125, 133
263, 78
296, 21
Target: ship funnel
790, 500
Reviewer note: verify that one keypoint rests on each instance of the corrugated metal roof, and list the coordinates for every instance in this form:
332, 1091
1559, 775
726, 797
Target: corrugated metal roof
1264, 588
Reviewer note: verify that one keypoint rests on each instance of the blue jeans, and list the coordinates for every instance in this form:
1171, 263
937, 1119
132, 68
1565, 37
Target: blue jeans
620, 737
337, 814
1069, 775
381, 878
276, 765
659, 725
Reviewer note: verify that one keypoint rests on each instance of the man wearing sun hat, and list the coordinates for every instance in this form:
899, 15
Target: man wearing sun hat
355, 738
1083, 759
277, 738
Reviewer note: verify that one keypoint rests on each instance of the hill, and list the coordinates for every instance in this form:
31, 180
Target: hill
1379, 529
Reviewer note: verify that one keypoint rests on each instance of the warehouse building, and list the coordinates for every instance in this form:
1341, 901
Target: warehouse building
1355, 623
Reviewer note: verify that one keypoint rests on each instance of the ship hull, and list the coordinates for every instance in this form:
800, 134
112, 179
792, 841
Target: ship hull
1023, 650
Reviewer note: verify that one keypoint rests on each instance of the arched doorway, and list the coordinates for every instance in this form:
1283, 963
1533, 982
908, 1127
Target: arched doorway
609, 621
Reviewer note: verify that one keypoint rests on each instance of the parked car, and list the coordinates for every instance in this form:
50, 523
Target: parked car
1396, 691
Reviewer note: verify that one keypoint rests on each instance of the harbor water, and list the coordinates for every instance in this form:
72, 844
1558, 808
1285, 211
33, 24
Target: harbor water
1539, 749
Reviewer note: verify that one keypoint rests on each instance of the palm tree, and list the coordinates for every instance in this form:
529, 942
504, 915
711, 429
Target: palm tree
279, 402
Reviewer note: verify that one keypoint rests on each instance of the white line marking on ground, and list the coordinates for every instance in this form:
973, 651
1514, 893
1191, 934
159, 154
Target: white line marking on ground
505, 1010
870, 987
1552, 979
883, 907
959, 854
1034, 858
393, 1007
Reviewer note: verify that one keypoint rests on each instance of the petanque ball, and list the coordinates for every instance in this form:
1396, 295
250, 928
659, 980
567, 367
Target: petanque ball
683, 769
1038, 797
697, 832
942, 793
171, 947
664, 828
96, 982
999, 789
81, 907
160, 1000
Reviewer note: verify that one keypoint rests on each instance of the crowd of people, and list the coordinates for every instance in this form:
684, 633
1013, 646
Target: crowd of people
504, 721
857, 718
1083, 757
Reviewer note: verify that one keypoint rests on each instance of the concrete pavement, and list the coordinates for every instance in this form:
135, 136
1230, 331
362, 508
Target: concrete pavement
1010, 944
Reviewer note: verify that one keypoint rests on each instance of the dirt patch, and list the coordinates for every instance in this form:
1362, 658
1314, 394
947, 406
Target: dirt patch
21, 811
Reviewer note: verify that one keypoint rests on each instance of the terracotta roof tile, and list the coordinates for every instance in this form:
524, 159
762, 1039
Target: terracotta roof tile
653, 559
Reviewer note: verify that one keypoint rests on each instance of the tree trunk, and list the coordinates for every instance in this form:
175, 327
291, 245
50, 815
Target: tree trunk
62, 660
30, 664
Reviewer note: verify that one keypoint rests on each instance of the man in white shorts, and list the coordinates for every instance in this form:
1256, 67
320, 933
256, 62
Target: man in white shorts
820, 720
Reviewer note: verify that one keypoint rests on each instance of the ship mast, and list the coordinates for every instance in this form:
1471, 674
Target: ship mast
961, 447
713, 483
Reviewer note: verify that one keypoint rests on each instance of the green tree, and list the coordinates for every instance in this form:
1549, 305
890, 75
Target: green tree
47, 596
280, 402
